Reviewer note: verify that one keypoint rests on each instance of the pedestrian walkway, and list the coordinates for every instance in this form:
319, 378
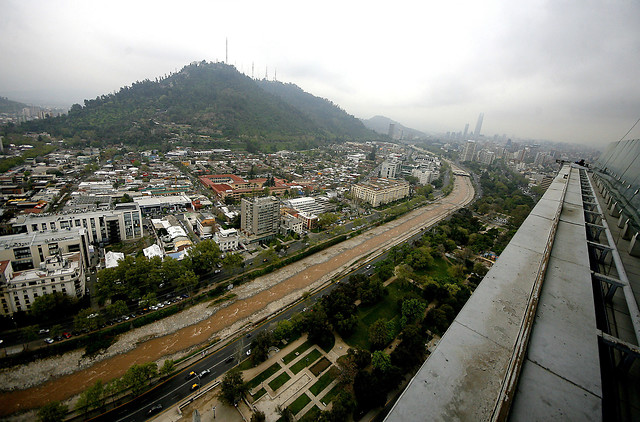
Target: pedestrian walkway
271, 401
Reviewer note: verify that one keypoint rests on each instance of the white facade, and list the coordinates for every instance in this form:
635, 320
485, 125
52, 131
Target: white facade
380, 191
260, 216
306, 204
227, 239
59, 273
424, 176
112, 226
469, 151
390, 169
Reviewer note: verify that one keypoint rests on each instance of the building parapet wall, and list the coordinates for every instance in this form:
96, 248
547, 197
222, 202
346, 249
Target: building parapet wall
473, 372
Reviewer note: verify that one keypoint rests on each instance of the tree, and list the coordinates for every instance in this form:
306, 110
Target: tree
318, 326
137, 376
204, 256
379, 334
53, 412
381, 361
232, 260
28, 334
51, 306
260, 347
348, 369
258, 416
420, 259
167, 367
326, 219
283, 330
91, 398
116, 309
412, 310
187, 281
233, 388
87, 320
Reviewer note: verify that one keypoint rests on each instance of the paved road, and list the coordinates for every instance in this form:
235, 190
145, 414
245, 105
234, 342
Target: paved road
176, 389
256, 298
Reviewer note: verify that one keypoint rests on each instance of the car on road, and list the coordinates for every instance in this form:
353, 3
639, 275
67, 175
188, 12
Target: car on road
48, 340
154, 409
248, 352
204, 373
195, 386
191, 375
229, 359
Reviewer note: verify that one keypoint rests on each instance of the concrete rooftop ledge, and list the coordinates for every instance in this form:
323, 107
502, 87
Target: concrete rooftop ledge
463, 378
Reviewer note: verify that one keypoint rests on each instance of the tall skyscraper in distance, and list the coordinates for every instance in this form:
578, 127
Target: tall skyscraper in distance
392, 129
476, 133
466, 130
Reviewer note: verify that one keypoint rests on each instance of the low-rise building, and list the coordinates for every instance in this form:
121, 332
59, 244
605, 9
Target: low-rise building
380, 191
226, 239
109, 226
58, 273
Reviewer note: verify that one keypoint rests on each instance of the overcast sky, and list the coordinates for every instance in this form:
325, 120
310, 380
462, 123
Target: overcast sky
559, 70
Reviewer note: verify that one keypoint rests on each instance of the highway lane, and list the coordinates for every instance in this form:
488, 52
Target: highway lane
178, 388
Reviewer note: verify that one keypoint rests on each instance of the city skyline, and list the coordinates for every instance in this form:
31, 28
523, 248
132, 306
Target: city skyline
534, 67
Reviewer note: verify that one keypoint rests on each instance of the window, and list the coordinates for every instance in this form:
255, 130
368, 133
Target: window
52, 225
22, 253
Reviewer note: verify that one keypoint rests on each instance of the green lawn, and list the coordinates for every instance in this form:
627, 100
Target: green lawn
261, 392
331, 394
438, 271
279, 381
299, 404
306, 360
311, 415
296, 352
385, 309
264, 375
323, 381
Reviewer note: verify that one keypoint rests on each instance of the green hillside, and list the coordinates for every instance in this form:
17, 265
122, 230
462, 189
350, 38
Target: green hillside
8, 106
211, 99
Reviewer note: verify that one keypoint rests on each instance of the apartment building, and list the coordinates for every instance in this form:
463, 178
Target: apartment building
108, 226
260, 216
380, 191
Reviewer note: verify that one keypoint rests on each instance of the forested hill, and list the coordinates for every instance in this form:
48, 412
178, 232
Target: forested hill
321, 111
211, 99
8, 106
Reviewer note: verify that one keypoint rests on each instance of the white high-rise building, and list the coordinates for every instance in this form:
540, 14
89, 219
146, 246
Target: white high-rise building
389, 169
469, 151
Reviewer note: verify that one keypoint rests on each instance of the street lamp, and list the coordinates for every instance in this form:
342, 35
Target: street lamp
214, 412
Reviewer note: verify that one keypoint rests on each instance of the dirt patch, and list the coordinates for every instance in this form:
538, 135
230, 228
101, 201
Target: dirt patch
318, 367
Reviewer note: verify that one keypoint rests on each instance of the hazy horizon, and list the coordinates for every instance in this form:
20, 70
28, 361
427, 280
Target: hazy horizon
553, 71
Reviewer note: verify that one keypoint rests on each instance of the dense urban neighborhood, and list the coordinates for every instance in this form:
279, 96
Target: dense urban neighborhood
101, 242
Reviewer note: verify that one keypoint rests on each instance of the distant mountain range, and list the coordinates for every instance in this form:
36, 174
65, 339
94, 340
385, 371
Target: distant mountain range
380, 124
210, 99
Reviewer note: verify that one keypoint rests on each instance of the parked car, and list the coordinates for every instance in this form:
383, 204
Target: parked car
44, 331
48, 340
66, 335
154, 409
